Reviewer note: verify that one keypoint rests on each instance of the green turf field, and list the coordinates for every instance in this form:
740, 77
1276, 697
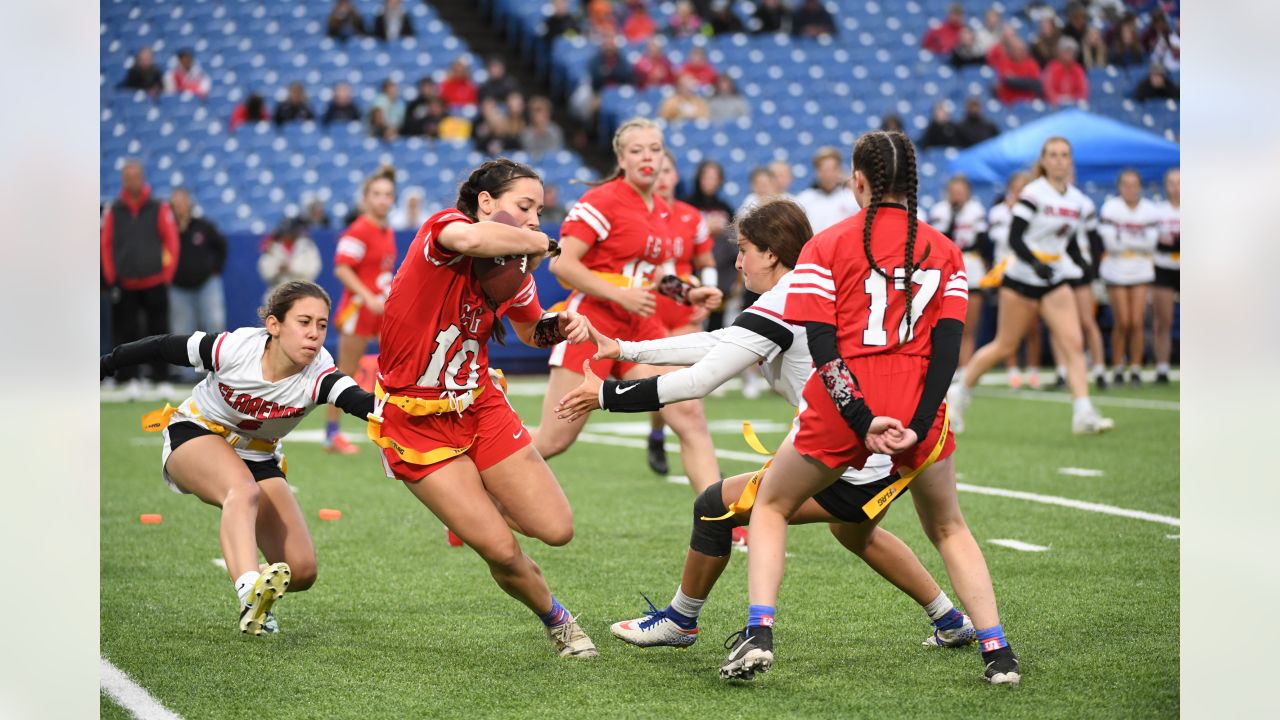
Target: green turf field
400, 625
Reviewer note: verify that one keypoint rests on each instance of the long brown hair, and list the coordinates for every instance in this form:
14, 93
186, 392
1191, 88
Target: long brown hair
494, 177
1037, 170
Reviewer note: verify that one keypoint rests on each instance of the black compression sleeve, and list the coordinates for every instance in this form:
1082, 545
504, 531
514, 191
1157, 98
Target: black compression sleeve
822, 342
841, 385
1018, 245
630, 395
986, 248
1096, 249
1077, 257
169, 348
942, 366
206, 350
355, 401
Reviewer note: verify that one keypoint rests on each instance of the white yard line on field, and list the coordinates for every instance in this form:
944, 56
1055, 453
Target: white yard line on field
130, 695
1065, 398
1019, 545
220, 563
1080, 472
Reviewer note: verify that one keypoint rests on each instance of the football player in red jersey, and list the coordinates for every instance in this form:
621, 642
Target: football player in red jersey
613, 244
445, 428
364, 262
882, 298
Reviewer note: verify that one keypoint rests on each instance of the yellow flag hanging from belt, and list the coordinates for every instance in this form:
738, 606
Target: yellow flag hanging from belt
748, 496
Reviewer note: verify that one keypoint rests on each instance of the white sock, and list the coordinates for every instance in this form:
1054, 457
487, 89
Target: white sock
1162, 368
959, 376
1099, 370
1081, 405
1061, 370
245, 582
940, 606
1135, 370
687, 606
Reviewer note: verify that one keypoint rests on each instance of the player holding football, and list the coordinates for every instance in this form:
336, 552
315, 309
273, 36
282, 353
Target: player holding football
445, 428
364, 262
612, 246
770, 238
222, 444
882, 298
1049, 215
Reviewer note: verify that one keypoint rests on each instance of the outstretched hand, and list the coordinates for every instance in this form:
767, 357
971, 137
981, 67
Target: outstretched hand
606, 347
582, 399
705, 297
884, 434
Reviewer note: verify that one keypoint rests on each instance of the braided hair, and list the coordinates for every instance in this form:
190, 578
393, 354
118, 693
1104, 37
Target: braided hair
888, 160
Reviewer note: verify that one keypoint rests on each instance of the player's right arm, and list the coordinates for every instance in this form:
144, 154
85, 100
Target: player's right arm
570, 270
185, 350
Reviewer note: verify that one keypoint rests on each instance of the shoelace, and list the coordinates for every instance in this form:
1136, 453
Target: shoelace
653, 614
731, 641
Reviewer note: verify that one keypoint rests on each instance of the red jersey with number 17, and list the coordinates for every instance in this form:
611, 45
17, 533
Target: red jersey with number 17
833, 283
436, 325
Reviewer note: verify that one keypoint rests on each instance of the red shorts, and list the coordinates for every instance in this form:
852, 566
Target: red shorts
490, 427
891, 385
673, 315
611, 321
352, 319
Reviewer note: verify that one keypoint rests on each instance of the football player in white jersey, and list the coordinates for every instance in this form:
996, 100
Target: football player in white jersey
963, 219
999, 219
1130, 229
770, 237
1168, 271
1049, 214
222, 444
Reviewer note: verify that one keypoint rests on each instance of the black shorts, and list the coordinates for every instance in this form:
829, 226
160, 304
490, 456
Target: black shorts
181, 432
1082, 281
1026, 290
845, 500
1167, 278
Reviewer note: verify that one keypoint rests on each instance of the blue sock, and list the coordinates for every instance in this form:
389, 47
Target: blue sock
684, 621
992, 639
557, 615
330, 428
950, 621
659, 434
760, 616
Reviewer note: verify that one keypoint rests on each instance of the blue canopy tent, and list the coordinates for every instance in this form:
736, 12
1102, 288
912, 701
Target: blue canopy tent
1102, 148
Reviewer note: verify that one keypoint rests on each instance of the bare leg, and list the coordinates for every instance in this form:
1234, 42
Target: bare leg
1058, 308
1137, 318
1092, 335
208, 468
283, 534
1015, 311
554, 435
1163, 300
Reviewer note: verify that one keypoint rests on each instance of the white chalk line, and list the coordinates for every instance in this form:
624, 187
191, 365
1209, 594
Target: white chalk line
131, 696
1018, 545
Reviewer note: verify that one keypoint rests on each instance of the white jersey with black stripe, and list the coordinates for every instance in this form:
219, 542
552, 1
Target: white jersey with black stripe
1129, 235
1170, 219
235, 395
999, 220
1053, 220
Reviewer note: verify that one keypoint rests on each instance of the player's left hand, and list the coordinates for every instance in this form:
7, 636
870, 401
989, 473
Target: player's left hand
575, 327
705, 297
906, 441
883, 434
582, 399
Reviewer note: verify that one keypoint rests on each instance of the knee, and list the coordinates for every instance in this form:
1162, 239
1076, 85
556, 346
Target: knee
302, 575
855, 542
243, 493
551, 444
503, 558
557, 536
940, 532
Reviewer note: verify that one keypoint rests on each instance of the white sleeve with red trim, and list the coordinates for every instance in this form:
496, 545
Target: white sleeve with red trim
955, 290
193, 351
218, 353
812, 296
524, 307
586, 221
351, 250
435, 253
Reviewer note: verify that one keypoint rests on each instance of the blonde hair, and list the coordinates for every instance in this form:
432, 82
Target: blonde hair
1037, 170
384, 172
635, 123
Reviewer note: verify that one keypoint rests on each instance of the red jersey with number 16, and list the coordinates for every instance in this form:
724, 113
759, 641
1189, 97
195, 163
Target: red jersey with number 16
833, 283
624, 236
436, 326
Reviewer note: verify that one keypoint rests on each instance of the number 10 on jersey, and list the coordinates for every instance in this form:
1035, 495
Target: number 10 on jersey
877, 289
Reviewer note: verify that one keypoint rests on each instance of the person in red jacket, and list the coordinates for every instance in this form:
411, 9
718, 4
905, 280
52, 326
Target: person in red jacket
943, 38
458, 89
139, 242
1017, 73
1064, 79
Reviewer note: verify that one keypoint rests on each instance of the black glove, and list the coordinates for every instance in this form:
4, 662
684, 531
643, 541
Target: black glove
105, 367
1044, 272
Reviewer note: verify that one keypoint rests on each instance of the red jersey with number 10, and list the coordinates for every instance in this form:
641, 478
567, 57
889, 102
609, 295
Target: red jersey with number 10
833, 283
436, 326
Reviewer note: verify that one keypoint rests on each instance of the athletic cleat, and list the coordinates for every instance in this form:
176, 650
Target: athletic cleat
1162, 378
267, 589
1118, 378
571, 641
957, 403
655, 629
1015, 381
751, 386
962, 636
748, 654
270, 626
740, 536
1091, 423
1002, 667
1059, 383
1135, 379
338, 443
658, 456
1100, 381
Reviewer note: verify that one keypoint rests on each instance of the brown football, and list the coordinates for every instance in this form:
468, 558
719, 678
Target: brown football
501, 277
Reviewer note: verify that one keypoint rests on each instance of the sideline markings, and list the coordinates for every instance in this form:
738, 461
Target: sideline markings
130, 695
1018, 545
1080, 472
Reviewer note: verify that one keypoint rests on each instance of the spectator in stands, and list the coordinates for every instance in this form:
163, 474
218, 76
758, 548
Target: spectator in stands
726, 103
1018, 75
499, 85
967, 51
314, 214
342, 108
942, 38
295, 106
288, 254
458, 90
1156, 85
988, 34
422, 116
345, 21
1093, 51
601, 21
941, 132
782, 178
685, 103
143, 74
196, 300
684, 21
771, 16
1126, 48
975, 128
553, 212
723, 20
708, 179
252, 110
812, 20
699, 68
830, 199
1162, 42
653, 69
1077, 25
140, 252
561, 21
379, 127
393, 22
1044, 46
185, 76
639, 25
409, 213
494, 129
388, 100
1064, 80
609, 68
541, 136
762, 187
891, 122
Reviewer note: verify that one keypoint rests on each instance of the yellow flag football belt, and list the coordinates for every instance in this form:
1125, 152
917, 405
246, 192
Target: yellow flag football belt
615, 279
996, 274
419, 407
158, 420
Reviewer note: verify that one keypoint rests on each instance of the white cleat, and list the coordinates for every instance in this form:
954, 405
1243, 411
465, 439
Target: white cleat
1091, 423
962, 636
957, 403
654, 630
571, 641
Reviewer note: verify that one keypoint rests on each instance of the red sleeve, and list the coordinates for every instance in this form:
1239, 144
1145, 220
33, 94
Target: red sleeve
351, 249
812, 296
524, 307
702, 240
108, 248
955, 288
435, 253
587, 220
169, 236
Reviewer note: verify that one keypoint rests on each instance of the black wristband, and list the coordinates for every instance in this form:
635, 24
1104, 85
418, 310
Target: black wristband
546, 332
630, 395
